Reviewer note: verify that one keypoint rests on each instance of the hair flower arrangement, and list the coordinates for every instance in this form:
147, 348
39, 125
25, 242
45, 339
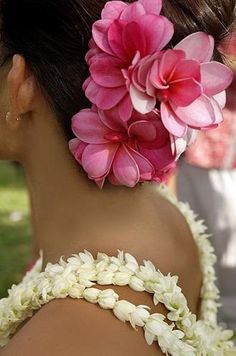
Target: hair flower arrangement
147, 101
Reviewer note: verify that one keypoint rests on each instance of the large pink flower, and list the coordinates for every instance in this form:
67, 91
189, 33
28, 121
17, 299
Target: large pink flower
125, 34
187, 86
125, 152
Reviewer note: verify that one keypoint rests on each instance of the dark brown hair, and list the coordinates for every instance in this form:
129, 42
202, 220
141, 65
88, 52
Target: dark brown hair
53, 37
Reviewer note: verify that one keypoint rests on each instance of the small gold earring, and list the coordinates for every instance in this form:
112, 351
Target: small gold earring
18, 118
8, 115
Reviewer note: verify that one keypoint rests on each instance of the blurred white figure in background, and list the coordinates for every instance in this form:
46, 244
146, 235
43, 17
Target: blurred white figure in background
206, 178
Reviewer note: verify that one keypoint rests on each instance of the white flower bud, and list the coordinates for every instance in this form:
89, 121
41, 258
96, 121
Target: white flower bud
108, 299
75, 262
121, 279
86, 257
91, 295
60, 287
86, 277
123, 309
105, 278
53, 270
76, 291
136, 284
139, 317
131, 263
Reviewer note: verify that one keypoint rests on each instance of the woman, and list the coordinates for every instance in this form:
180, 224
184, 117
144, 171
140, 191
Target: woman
43, 49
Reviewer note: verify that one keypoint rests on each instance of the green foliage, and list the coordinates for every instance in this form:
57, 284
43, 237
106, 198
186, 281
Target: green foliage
15, 247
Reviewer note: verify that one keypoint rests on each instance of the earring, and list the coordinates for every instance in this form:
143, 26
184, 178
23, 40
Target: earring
8, 114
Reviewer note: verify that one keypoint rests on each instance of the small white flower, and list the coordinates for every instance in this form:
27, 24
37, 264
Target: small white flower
91, 295
107, 299
131, 263
60, 287
53, 270
86, 257
101, 266
123, 309
105, 278
156, 325
136, 284
76, 291
75, 262
140, 316
86, 277
121, 279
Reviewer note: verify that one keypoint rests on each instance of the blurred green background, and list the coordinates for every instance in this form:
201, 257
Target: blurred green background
15, 245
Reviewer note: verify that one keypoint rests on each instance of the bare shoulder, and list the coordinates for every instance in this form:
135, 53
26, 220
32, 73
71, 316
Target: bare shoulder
171, 247
70, 327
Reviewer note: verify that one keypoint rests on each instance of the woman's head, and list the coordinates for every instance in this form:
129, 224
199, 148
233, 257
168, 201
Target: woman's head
52, 36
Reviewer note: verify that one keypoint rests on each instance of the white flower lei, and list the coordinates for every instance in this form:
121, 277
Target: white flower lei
77, 277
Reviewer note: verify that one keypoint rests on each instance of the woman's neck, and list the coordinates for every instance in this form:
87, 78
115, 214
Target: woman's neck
69, 213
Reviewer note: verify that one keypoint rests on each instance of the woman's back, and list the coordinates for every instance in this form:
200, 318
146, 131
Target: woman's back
81, 322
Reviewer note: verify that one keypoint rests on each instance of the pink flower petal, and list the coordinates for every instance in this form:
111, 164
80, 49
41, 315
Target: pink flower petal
142, 102
107, 98
154, 80
187, 68
77, 148
162, 136
178, 145
100, 182
125, 108
113, 9
152, 6
168, 32
112, 179
92, 53
106, 71
158, 31
88, 127
199, 114
159, 158
143, 130
146, 169
100, 29
97, 159
115, 38
198, 45
221, 99
171, 122
184, 92
215, 77
91, 90
125, 168
168, 63
133, 12
134, 40
218, 111
111, 119
142, 72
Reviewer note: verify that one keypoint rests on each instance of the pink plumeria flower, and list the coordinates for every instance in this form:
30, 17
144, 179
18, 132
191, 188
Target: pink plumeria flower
125, 34
188, 87
124, 152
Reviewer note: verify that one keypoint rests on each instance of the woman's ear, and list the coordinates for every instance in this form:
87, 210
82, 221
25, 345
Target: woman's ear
21, 87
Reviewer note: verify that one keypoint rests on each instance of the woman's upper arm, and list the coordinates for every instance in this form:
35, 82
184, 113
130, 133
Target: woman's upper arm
76, 328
